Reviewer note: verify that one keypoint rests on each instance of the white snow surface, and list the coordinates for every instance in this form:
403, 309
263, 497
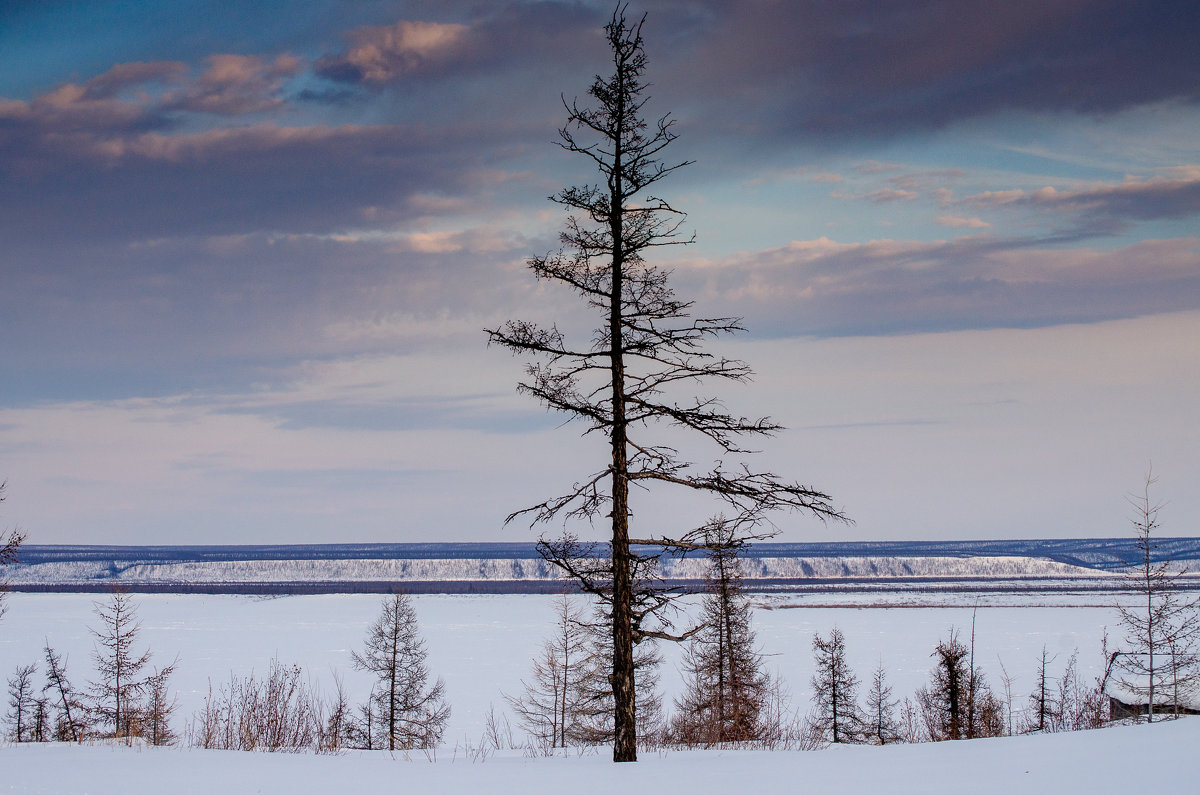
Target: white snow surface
1054, 763
482, 646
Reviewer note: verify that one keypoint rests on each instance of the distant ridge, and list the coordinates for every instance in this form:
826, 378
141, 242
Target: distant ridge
1096, 553
1030, 564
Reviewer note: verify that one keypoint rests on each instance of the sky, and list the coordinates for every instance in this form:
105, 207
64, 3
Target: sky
248, 251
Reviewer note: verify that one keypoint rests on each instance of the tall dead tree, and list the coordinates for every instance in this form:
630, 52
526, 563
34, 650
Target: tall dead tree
595, 724
619, 383
1161, 631
408, 712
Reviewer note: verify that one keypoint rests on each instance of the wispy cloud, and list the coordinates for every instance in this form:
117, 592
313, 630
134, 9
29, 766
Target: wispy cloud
959, 222
505, 37
891, 195
827, 288
387, 53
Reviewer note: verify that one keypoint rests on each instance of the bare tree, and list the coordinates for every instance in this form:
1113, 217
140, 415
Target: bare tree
595, 721
497, 731
618, 384
20, 702
337, 729
835, 690
1160, 632
71, 721
553, 700
727, 690
1071, 704
1041, 701
408, 712
879, 720
361, 732
958, 703
159, 707
39, 729
279, 713
1095, 698
8, 555
1007, 681
118, 667
913, 726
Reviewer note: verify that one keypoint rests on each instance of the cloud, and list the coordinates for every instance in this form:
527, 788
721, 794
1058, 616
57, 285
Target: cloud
504, 38
1107, 208
958, 222
97, 185
826, 288
138, 74
387, 53
856, 69
891, 195
137, 96
235, 85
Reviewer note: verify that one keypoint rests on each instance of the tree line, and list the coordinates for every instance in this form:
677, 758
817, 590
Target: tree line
730, 699
130, 699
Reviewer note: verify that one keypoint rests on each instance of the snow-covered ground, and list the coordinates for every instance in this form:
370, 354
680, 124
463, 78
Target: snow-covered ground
1116, 760
482, 645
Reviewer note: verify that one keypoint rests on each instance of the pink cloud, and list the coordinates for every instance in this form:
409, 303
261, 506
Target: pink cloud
1176, 195
234, 85
382, 54
137, 73
958, 222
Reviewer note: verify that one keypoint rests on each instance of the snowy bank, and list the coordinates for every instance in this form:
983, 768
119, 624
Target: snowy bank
1074, 762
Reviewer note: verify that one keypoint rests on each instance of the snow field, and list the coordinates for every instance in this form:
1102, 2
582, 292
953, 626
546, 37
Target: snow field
1114, 760
482, 645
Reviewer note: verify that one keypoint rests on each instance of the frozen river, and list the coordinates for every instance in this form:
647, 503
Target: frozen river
482, 645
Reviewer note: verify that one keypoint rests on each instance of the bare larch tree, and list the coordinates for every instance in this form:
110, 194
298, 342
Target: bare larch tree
880, 724
1041, 700
119, 681
1161, 631
159, 707
726, 689
835, 690
595, 724
618, 384
550, 705
71, 721
408, 712
958, 703
20, 702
